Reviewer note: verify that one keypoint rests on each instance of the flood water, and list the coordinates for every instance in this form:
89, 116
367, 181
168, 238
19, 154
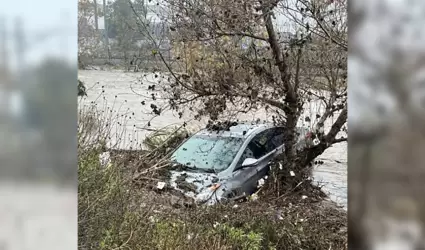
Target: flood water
122, 94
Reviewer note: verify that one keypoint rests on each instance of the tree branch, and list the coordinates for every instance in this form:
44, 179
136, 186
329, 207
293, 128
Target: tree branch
336, 127
278, 56
242, 34
342, 139
328, 34
312, 152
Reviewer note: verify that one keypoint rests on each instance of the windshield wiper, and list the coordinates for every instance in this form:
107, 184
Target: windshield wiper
183, 167
211, 171
204, 170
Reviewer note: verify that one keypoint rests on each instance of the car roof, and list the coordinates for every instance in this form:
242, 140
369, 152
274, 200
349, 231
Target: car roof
241, 130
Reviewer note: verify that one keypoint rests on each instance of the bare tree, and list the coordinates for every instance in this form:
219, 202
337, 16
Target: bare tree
237, 55
122, 26
89, 40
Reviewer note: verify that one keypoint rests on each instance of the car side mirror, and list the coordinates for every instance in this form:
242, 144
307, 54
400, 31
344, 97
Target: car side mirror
249, 162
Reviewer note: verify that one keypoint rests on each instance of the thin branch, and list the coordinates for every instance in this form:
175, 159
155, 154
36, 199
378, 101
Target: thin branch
336, 127
158, 49
243, 35
342, 45
343, 139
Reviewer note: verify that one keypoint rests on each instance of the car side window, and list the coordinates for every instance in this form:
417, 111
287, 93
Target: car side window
258, 146
276, 139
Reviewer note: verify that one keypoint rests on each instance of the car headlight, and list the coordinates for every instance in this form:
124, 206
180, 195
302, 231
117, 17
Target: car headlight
211, 194
205, 195
214, 187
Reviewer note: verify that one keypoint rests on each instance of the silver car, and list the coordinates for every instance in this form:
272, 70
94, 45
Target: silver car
216, 165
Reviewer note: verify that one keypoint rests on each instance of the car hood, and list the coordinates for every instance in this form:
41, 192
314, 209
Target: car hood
192, 183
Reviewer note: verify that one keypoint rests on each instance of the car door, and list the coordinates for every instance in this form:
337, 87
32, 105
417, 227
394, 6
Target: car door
274, 146
260, 148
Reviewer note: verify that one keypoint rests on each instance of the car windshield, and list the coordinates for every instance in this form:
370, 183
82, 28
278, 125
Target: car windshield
208, 153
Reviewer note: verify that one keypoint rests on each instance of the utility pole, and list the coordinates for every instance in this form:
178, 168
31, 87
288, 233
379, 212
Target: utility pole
96, 24
106, 30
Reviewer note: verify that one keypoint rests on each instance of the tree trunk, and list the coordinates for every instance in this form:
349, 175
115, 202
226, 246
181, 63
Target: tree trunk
290, 107
292, 173
311, 153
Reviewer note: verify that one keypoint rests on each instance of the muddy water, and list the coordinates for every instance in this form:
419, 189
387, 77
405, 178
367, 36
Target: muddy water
120, 95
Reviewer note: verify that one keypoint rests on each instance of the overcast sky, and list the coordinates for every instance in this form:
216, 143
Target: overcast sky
42, 17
